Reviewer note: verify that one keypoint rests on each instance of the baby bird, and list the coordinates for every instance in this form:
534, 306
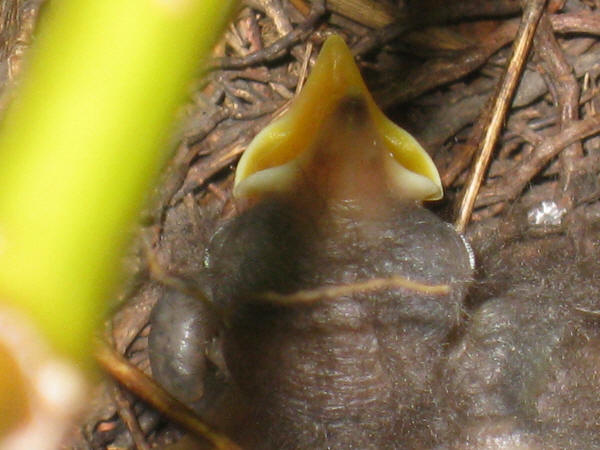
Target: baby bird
526, 372
335, 289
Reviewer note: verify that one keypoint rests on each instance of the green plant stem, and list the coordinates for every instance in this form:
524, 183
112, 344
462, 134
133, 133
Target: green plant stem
81, 145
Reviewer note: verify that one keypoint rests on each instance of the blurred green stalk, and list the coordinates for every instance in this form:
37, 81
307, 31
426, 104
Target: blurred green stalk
81, 146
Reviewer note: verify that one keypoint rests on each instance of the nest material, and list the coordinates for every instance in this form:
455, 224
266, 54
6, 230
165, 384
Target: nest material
434, 66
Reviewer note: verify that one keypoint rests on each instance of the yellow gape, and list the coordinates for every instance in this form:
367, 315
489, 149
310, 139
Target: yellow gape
335, 132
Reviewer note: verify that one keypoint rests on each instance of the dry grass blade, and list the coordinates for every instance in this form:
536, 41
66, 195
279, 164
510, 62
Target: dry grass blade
508, 83
136, 381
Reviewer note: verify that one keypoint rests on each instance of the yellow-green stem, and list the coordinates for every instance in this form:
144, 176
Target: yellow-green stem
83, 142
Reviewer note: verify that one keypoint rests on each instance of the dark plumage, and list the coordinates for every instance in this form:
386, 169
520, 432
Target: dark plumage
527, 371
336, 289
337, 314
353, 370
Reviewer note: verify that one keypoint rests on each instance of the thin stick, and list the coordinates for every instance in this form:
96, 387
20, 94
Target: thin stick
129, 418
530, 166
565, 92
278, 48
304, 67
531, 15
137, 382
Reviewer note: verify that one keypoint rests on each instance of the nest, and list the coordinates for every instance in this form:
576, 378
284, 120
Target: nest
465, 78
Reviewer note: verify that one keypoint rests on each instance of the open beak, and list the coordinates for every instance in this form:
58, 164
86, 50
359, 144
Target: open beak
335, 138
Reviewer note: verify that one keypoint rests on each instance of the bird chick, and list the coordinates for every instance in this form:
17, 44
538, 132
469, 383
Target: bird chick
526, 372
335, 287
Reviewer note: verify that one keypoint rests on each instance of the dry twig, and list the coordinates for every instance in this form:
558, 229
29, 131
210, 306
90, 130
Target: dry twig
525, 170
531, 15
279, 47
565, 91
129, 419
136, 381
